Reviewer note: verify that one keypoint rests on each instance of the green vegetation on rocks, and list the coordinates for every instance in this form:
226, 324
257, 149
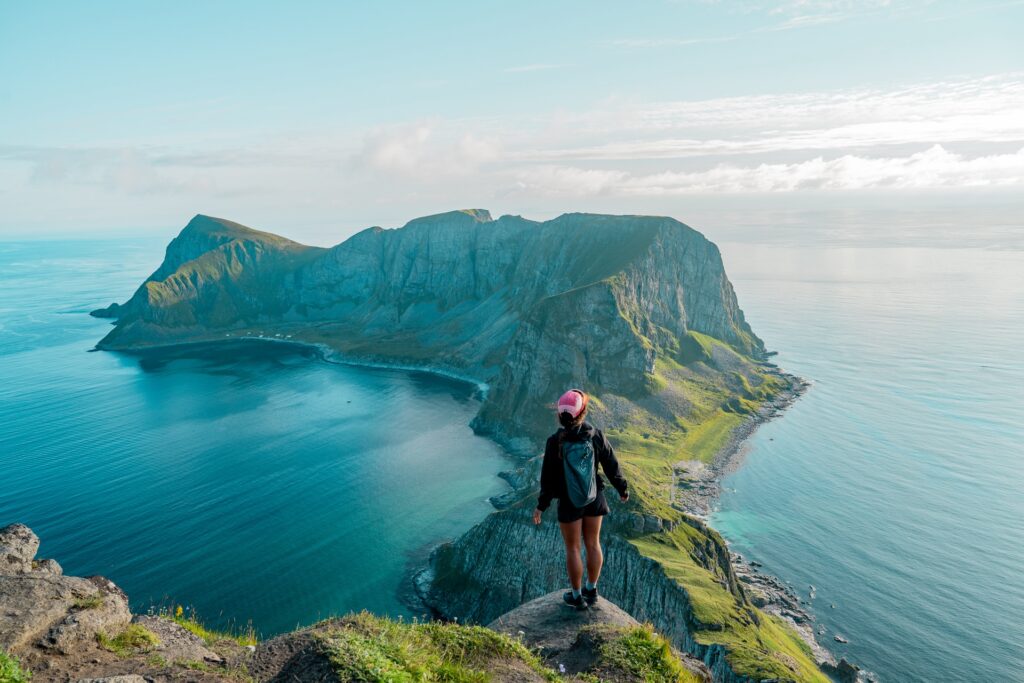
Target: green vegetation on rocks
367, 648
642, 654
192, 624
758, 645
132, 640
11, 671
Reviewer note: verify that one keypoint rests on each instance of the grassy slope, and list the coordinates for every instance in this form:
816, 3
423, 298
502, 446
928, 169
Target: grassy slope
366, 647
709, 407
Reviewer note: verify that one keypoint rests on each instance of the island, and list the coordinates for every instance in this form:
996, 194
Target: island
636, 310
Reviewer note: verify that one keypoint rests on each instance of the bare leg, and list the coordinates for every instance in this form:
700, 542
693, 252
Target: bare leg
592, 541
573, 561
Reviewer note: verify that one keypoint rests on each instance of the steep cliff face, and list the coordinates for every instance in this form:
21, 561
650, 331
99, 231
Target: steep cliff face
527, 307
693, 598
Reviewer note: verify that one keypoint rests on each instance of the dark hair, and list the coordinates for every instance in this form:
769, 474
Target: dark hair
566, 419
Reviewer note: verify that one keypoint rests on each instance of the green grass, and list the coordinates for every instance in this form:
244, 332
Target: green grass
643, 655
191, 623
91, 602
157, 660
11, 671
364, 647
758, 645
133, 640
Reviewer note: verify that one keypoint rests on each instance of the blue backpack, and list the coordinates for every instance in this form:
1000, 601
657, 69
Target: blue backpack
580, 465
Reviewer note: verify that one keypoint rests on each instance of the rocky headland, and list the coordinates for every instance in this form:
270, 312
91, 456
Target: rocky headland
637, 310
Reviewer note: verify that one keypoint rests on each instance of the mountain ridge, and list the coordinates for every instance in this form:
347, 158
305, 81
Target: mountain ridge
459, 288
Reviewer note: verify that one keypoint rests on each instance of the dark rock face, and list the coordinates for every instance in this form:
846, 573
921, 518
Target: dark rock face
528, 307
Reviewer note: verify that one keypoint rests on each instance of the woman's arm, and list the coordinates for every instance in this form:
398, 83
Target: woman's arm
547, 476
610, 465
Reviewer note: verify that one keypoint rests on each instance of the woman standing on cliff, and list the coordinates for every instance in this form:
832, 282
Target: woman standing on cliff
569, 473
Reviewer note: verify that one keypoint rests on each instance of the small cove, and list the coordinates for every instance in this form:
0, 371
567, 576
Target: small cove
250, 480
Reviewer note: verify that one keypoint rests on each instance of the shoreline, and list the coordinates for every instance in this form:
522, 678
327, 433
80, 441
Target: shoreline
701, 486
326, 352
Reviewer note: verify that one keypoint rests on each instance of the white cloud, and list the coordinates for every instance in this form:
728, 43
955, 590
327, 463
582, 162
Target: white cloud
425, 150
964, 135
986, 110
932, 168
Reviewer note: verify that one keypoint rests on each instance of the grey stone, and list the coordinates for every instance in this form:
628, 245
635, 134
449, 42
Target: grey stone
548, 623
32, 604
18, 547
176, 642
48, 567
80, 626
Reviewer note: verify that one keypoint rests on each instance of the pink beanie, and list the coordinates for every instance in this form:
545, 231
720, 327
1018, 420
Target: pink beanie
572, 402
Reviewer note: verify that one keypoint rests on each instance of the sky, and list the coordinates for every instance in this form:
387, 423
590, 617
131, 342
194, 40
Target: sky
317, 119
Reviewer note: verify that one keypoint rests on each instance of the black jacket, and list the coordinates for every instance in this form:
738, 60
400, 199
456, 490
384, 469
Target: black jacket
552, 474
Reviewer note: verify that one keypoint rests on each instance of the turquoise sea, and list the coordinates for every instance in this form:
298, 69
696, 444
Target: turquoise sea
895, 485
242, 481
249, 481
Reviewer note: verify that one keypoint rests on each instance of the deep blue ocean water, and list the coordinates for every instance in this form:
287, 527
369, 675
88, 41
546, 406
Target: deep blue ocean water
251, 481
242, 481
895, 485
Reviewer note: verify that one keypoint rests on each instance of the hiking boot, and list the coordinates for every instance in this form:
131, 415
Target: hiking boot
589, 595
578, 603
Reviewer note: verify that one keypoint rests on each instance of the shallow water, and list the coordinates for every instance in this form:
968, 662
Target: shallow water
895, 485
250, 480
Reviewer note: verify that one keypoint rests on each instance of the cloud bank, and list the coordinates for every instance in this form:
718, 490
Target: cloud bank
954, 136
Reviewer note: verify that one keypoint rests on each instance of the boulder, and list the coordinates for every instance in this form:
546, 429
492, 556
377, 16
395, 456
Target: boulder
548, 623
48, 567
177, 643
32, 604
18, 547
41, 606
573, 641
104, 611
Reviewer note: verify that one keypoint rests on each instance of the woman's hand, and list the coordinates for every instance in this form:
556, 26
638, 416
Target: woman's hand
536, 516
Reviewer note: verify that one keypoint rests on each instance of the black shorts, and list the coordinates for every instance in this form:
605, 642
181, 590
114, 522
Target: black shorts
567, 512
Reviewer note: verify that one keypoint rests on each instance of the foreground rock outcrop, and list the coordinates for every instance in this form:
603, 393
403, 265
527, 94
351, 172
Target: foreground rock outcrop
66, 629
